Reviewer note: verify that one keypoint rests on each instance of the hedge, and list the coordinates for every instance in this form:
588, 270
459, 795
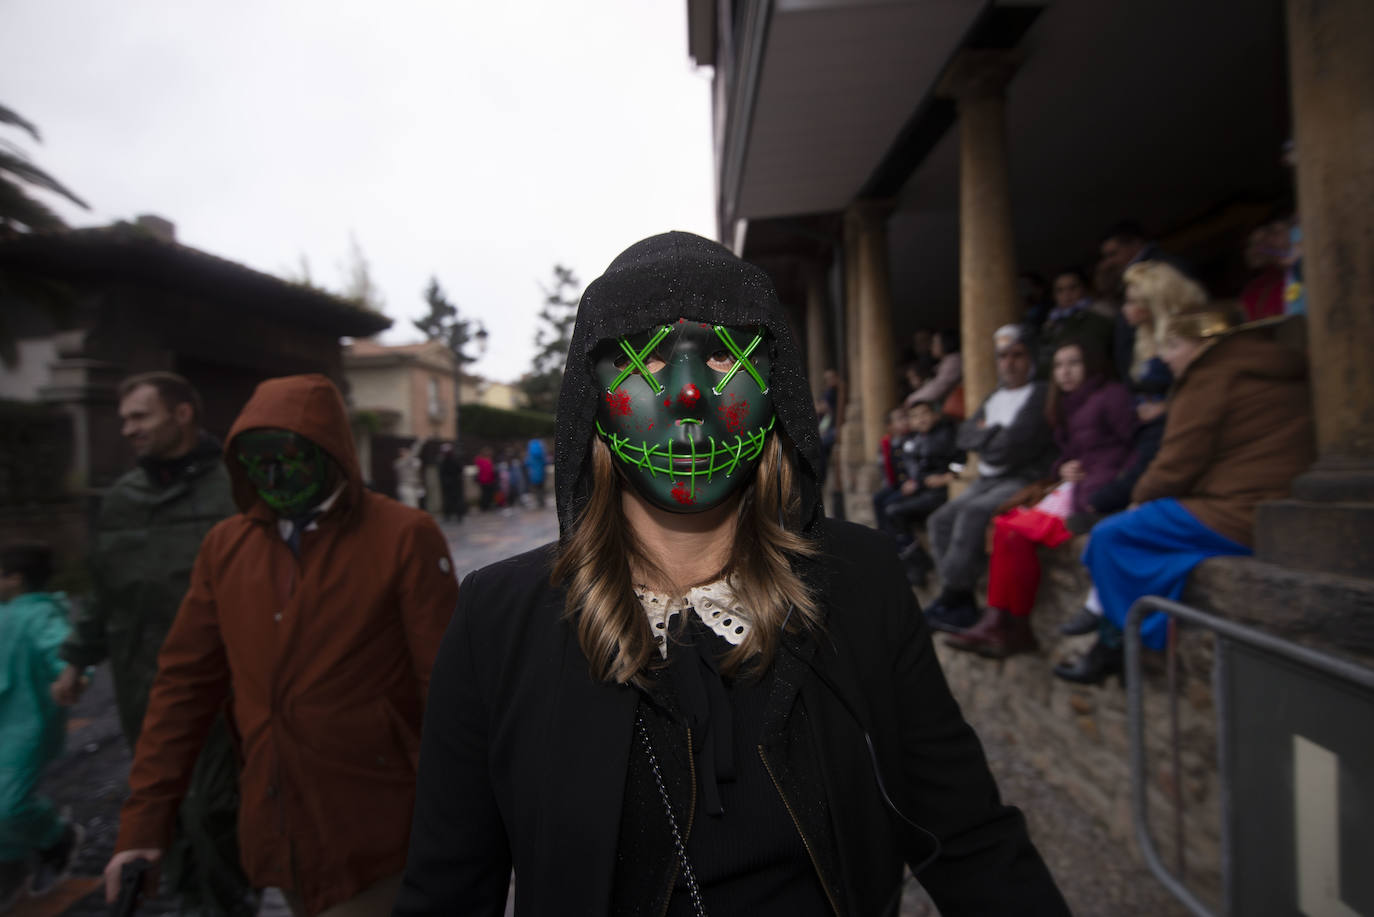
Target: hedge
484, 420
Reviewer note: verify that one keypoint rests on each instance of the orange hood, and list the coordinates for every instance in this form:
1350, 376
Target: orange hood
309, 405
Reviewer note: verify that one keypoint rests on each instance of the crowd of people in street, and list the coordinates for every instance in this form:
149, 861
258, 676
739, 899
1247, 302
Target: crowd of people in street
1136, 409
511, 482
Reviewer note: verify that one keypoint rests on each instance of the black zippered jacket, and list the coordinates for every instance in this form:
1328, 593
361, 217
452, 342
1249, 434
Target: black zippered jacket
527, 762
525, 758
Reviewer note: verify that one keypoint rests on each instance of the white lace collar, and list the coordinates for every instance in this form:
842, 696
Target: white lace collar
714, 603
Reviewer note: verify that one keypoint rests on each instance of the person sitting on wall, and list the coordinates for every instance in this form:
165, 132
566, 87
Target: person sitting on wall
890, 463
926, 456
1266, 250
1093, 420
1072, 319
949, 371
1015, 447
1125, 244
1154, 291
1238, 430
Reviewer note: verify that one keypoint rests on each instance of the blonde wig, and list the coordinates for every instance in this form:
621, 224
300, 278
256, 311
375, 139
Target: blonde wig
595, 562
1166, 292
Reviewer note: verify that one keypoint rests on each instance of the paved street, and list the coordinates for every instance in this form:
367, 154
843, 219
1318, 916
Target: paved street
92, 777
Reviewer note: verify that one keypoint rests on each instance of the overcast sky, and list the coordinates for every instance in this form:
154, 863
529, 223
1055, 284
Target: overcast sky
481, 142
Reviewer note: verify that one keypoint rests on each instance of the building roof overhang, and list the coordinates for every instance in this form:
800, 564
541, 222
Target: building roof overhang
1163, 112
128, 253
821, 91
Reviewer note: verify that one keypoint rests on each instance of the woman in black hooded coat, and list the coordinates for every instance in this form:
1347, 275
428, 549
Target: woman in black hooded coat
705, 698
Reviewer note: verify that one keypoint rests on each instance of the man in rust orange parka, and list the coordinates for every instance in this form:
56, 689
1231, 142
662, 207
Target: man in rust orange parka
314, 615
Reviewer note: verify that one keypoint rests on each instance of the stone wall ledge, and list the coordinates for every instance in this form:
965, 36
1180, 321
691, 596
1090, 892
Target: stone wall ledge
1322, 611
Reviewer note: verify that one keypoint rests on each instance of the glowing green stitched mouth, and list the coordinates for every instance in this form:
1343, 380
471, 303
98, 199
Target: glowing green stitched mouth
715, 458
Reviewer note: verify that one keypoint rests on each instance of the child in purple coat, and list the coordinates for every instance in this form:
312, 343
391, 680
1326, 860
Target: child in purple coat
1093, 420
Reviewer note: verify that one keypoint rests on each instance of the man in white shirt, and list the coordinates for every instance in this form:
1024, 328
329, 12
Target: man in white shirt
1015, 447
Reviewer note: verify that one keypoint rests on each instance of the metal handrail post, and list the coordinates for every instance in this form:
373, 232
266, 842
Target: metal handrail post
1135, 706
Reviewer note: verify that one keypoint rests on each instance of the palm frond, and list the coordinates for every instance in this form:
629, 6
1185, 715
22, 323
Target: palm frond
16, 206
22, 168
10, 116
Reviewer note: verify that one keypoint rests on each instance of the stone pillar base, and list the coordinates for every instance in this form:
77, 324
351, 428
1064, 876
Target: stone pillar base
1336, 480
1321, 537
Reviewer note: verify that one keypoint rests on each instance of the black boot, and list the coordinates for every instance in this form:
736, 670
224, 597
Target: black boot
915, 555
1082, 622
1093, 667
952, 612
917, 563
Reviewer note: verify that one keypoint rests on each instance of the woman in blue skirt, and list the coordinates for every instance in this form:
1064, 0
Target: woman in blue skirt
1239, 430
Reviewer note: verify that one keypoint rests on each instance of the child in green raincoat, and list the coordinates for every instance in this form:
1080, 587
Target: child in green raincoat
37, 846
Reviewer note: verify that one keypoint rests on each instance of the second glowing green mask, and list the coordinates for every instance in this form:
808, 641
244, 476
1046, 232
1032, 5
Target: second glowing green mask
289, 471
685, 410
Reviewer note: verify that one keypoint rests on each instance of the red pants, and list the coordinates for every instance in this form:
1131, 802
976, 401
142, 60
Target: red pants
1014, 569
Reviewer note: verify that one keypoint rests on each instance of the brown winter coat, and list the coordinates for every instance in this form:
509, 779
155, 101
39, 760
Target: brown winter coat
324, 662
1239, 430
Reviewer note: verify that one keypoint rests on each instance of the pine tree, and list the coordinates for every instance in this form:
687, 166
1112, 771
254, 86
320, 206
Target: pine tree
443, 324
553, 339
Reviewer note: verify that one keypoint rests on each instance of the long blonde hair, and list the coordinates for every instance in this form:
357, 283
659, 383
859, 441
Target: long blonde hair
1166, 292
595, 561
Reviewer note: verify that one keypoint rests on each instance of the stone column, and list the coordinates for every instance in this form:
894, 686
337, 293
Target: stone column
1329, 525
818, 344
848, 457
876, 369
873, 354
977, 81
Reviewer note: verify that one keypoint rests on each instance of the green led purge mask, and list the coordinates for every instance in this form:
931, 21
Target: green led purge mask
685, 409
288, 471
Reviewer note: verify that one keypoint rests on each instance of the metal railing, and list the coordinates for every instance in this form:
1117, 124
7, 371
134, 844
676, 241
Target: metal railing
1226, 631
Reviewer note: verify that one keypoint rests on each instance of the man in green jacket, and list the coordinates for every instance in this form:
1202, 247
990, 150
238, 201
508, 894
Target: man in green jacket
150, 527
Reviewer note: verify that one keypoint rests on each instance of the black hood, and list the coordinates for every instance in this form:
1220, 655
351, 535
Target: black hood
656, 282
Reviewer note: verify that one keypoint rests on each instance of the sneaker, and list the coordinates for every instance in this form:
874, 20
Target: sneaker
14, 883
951, 619
55, 864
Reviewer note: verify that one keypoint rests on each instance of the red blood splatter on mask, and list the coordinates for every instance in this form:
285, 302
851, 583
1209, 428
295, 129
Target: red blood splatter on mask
735, 412
619, 401
704, 325
683, 494
651, 425
689, 396
667, 402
